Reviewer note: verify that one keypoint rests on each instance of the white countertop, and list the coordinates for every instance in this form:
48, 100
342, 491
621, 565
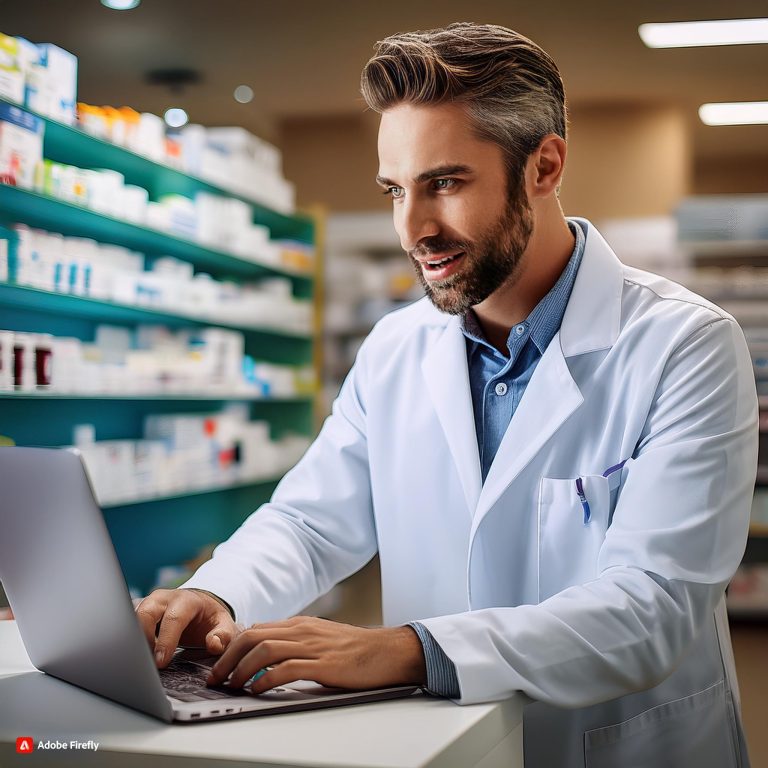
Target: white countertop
419, 732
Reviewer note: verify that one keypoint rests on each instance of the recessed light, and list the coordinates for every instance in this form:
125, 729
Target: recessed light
120, 5
176, 117
734, 113
244, 94
687, 34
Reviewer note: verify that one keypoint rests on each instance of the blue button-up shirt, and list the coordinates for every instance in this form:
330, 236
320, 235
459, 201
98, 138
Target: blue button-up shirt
497, 383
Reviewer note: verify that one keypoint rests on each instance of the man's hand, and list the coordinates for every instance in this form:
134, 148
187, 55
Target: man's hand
332, 654
185, 616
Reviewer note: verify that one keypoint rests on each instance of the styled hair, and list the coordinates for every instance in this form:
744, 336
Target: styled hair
510, 87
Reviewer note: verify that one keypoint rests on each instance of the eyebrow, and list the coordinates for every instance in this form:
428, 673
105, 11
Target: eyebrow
433, 173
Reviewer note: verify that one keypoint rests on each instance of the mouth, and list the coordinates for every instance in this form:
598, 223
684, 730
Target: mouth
440, 267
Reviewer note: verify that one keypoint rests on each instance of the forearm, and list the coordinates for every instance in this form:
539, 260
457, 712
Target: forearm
621, 633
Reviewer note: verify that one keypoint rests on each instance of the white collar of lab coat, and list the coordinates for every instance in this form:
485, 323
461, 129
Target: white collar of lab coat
593, 316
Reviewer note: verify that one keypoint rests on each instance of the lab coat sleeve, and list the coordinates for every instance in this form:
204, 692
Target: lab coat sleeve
677, 536
317, 529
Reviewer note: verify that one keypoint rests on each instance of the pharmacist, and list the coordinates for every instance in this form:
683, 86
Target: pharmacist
552, 453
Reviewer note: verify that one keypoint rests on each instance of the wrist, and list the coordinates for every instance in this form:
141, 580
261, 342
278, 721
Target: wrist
411, 654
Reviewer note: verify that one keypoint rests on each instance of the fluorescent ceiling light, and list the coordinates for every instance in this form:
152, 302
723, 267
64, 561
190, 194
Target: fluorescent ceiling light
735, 113
688, 34
120, 5
176, 117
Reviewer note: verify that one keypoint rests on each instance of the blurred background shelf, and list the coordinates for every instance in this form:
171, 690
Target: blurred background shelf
68, 144
26, 297
36, 210
192, 396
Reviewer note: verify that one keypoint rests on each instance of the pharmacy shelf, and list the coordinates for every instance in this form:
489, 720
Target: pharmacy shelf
22, 205
174, 396
187, 492
26, 297
66, 144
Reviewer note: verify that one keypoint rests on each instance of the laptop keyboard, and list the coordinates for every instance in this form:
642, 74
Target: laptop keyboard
185, 681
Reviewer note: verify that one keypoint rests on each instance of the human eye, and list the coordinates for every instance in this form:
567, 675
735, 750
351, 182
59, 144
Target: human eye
443, 184
394, 192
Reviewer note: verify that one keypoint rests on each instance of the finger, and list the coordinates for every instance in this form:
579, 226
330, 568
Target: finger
217, 640
149, 612
244, 662
181, 609
287, 672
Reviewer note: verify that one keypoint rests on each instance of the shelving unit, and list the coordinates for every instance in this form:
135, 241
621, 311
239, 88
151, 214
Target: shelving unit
150, 532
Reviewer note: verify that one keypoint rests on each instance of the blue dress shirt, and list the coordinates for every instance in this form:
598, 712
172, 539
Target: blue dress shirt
497, 383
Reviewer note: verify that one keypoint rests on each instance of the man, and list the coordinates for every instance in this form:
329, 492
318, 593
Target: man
552, 453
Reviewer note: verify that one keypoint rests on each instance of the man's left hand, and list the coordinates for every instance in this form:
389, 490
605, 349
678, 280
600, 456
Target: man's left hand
332, 654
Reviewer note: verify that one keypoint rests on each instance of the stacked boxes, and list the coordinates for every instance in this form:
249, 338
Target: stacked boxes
186, 452
41, 77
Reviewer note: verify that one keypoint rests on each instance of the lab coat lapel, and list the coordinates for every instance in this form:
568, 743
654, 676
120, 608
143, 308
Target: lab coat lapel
591, 322
550, 398
445, 371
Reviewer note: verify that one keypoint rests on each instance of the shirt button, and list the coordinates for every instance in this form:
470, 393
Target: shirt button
501, 389
520, 330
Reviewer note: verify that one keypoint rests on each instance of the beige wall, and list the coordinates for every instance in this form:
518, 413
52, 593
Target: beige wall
333, 161
623, 161
730, 175
626, 161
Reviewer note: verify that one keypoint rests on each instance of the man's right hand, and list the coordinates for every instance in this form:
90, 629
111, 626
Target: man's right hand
170, 617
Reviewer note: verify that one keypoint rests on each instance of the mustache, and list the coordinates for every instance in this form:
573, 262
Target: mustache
430, 245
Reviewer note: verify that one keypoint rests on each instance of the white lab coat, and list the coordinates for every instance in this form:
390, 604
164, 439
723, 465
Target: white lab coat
616, 626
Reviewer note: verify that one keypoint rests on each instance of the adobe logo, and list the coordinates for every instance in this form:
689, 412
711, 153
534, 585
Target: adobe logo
25, 744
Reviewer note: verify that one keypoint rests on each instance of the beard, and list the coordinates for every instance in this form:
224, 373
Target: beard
490, 261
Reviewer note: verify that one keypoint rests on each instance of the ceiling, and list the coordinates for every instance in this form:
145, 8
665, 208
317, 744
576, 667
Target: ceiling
303, 57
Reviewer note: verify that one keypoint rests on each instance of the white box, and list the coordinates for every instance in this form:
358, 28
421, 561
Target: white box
21, 145
52, 84
11, 76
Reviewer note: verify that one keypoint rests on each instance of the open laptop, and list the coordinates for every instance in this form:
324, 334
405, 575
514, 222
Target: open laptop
63, 580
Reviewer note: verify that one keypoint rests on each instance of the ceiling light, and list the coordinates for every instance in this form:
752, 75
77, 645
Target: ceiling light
176, 117
688, 34
120, 5
735, 113
244, 94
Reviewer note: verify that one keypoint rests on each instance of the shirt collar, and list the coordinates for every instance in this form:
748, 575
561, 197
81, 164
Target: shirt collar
546, 317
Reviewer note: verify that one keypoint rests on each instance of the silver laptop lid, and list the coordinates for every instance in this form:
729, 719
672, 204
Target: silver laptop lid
64, 583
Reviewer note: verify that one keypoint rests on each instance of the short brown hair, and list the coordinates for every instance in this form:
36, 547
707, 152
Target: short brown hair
511, 88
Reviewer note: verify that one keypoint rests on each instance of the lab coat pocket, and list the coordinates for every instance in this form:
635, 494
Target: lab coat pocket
692, 731
574, 515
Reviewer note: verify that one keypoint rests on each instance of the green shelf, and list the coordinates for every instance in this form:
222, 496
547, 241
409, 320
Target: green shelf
51, 302
270, 480
66, 144
17, 204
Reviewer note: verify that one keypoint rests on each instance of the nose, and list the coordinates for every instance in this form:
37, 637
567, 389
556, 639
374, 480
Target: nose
415, 219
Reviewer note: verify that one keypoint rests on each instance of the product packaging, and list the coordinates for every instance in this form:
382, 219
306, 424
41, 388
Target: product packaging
52, 84
21, 146
11, 76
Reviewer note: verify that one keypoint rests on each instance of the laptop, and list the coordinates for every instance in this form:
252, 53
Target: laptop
71, 603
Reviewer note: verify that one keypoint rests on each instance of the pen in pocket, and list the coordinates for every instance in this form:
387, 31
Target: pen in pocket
583, 500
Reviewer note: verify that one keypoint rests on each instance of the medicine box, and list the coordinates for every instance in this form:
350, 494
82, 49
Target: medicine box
11, 76
52, 84
21, 145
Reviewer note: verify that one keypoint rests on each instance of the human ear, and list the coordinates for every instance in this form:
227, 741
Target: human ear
546, 165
